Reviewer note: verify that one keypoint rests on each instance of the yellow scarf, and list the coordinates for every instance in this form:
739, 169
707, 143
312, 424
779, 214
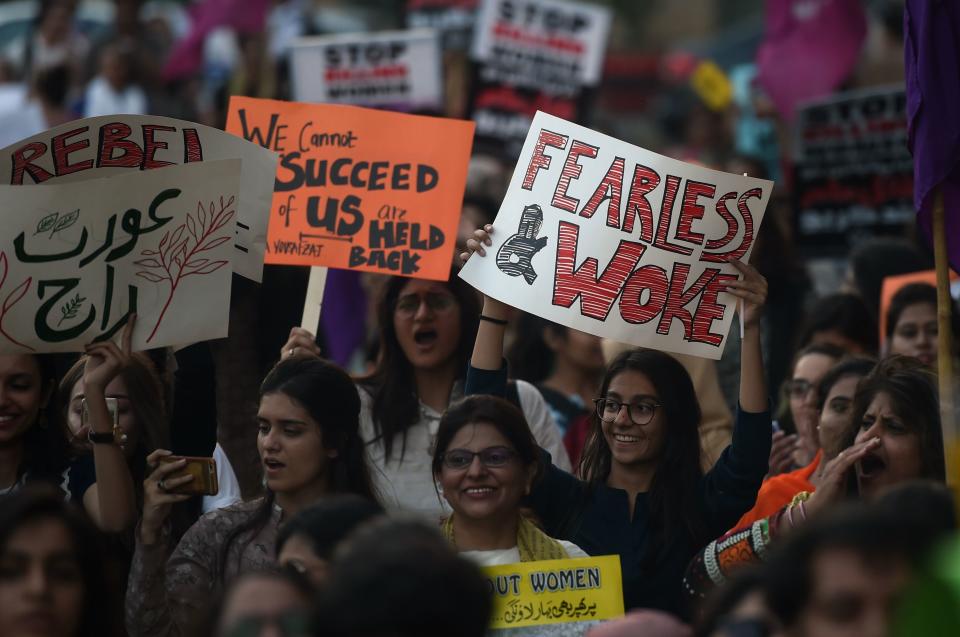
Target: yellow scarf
534, 545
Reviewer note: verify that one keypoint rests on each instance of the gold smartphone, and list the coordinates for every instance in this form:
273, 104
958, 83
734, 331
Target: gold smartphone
203, 470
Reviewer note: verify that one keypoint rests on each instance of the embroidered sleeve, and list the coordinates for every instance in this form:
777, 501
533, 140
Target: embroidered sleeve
712, 566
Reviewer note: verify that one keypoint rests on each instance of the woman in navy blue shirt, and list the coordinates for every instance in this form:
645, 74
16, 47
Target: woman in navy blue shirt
643, 494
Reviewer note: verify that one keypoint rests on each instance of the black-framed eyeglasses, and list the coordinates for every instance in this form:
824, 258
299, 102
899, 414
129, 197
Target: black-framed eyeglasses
799, 387
640, 413
491, 457
408, 305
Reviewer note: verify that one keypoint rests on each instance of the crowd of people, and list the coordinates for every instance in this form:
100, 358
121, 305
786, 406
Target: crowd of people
795, 487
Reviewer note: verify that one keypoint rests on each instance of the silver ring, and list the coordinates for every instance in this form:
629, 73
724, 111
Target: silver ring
161, 485
292, 349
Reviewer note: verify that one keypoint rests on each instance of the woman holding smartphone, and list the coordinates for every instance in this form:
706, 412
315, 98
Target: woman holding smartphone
130, 392
309, 446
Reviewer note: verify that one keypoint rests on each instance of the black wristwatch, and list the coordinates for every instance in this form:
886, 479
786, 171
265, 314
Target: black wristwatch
101, 438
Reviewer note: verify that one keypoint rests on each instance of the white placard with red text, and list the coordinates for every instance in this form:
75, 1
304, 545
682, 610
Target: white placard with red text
395, 69
615, 240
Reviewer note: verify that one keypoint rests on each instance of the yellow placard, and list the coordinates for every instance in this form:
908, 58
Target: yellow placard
555, 591
712, 85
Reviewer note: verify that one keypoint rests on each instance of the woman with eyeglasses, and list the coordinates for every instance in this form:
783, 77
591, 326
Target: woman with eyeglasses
643, 494
485, 462
893, 436
800, 408
427, 330
835, 399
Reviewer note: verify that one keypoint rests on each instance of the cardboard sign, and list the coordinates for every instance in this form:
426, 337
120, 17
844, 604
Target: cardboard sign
74, 263
614, 240
454, 19
104, 146
358, 188
399, 70
854, 174
534, 55
555, 591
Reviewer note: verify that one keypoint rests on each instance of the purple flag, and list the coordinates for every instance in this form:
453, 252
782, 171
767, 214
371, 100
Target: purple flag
809, 48
931, 50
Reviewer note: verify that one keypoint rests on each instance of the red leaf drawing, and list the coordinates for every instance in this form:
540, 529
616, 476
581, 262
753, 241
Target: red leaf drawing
210, 245
213, 267
12, 298
177, 257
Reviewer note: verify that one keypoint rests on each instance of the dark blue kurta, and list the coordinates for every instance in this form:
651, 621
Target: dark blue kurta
597, 518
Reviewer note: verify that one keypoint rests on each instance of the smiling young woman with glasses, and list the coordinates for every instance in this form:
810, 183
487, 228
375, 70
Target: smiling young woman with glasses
485, 462
643, 494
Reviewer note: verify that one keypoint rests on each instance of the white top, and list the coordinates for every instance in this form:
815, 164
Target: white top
102, 99
408, 485
229, 492
499, 557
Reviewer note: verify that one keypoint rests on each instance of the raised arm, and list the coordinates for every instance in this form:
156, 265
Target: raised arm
752, 292
488, 348
730, 488
110, 500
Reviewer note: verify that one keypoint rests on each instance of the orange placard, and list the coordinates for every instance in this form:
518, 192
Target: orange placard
358, 188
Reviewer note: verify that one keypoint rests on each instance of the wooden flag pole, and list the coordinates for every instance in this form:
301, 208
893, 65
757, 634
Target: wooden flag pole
945, 341
314, 300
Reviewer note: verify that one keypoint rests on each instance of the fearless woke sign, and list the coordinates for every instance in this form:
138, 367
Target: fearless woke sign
582, 590
358, 188
617, 241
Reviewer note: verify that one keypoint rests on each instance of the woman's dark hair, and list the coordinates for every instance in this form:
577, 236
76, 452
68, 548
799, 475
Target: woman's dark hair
912, 389
673, 492
386, 570
45, 449
784, 415
531, 359
500, 414
723, 600
858, 366
330, 397
845, 313
328, 522
874, 534
875, 259
44, 502
915, 294
392, 383
210, 620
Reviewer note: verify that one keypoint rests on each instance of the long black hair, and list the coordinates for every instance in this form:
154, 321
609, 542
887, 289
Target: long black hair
45, 449
673, 492
330, 397
396, 406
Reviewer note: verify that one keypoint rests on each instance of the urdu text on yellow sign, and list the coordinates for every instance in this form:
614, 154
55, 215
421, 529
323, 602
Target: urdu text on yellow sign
555, 591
